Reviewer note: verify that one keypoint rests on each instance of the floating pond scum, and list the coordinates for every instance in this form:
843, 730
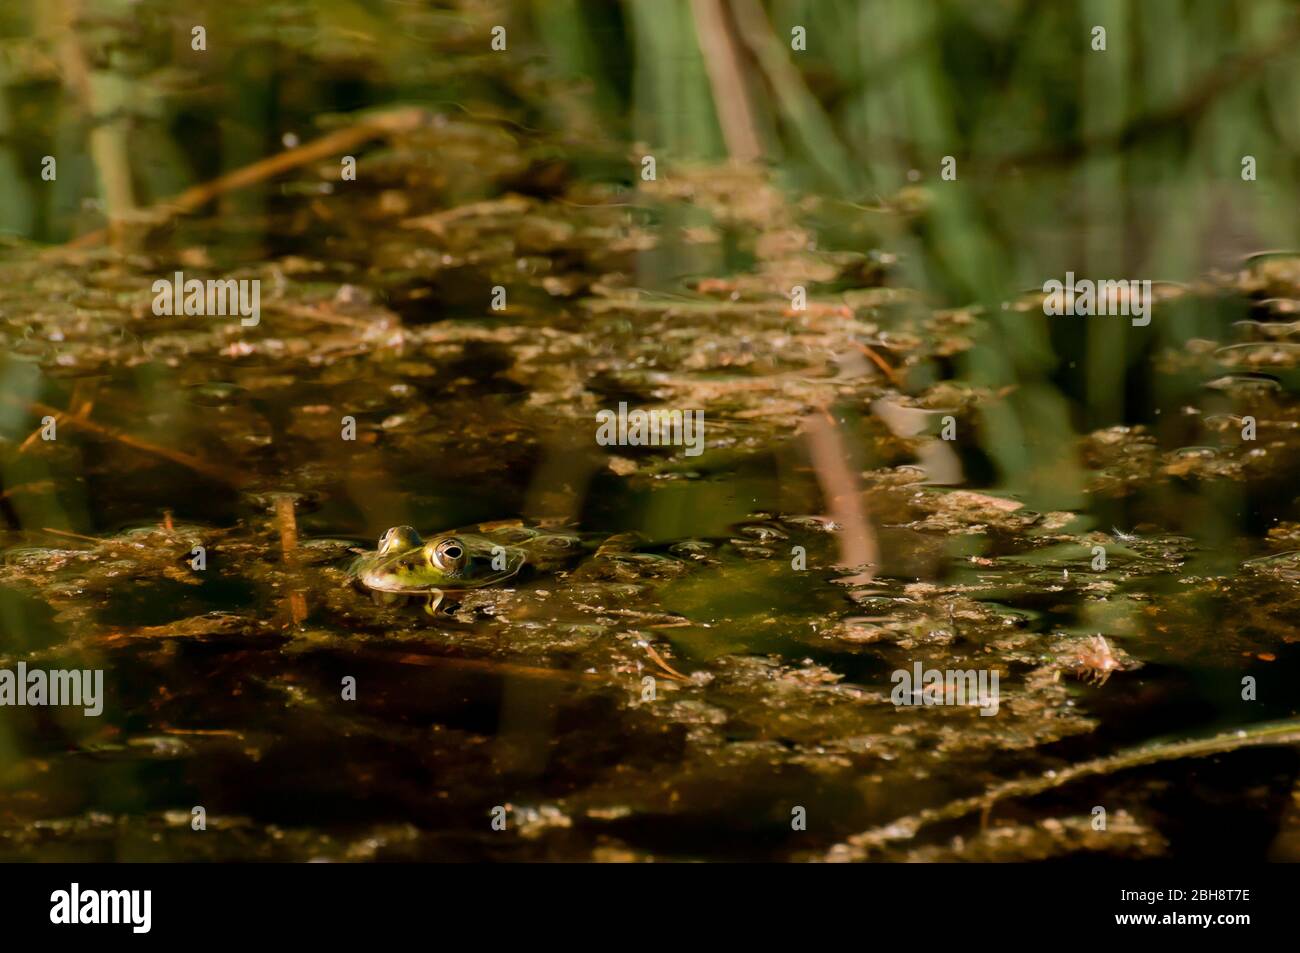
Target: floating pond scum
649, 430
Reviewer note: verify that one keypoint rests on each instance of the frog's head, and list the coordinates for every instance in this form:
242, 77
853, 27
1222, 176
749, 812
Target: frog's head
405, 563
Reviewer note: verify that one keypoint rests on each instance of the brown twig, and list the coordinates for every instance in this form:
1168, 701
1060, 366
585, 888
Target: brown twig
223, 474
309, 313
1272, 733
296, 603
486, 666
32, 437
725, 64
881, 363
791, 93
100, 99
82, 410
437, 222
287, 523
205, 732
32, 486
668, 669
340, 140
843, 496
70, 535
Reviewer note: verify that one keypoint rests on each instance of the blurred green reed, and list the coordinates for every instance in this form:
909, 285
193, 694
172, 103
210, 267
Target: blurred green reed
1117, 163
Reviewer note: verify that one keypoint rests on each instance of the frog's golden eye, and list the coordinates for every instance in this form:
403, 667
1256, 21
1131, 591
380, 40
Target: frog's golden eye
449, 554
398, 539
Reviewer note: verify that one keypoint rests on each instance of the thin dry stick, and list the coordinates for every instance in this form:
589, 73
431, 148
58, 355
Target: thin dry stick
224, 474
1272, 733
437, 222
791, 92
287, 522
35, 435
82, 410
297, 605
108, 134
671, 672
880, 363
310, 313
484, 665
32, 486
384, 124
70, 535
288, 526
724, 62
839, 485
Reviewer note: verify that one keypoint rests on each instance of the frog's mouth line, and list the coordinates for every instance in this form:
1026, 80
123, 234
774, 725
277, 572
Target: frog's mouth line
386, 585
384, 578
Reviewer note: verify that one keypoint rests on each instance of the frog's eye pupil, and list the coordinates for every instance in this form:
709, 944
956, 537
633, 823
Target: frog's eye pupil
452, 552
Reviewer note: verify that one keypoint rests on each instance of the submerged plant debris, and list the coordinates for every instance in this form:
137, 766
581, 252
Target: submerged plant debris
722, 655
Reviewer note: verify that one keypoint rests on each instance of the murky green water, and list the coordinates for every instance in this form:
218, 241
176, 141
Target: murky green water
714, 679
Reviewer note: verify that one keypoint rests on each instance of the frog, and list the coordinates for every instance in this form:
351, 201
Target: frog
435, 570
